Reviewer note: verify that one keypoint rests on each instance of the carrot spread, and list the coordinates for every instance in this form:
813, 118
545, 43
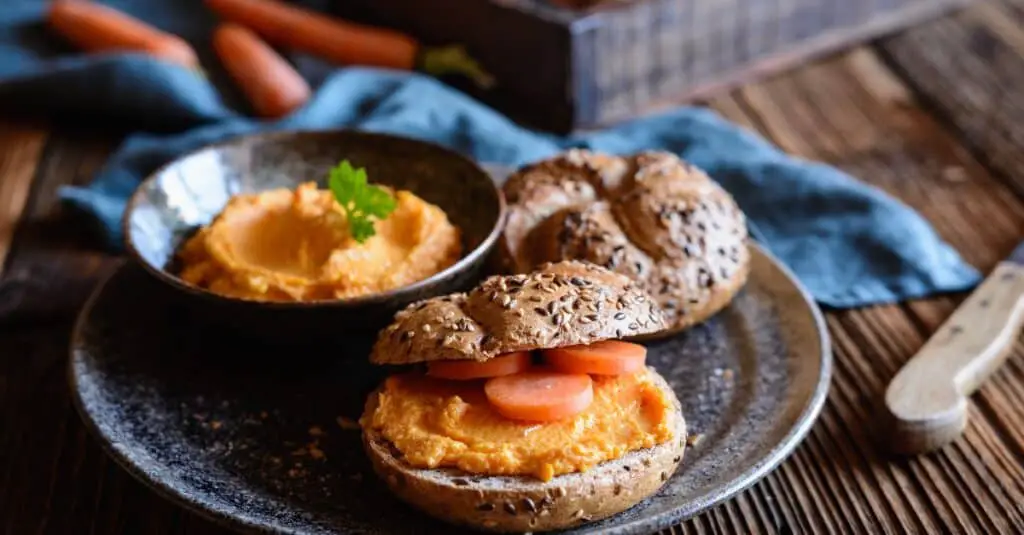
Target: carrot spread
437, 423
296, 245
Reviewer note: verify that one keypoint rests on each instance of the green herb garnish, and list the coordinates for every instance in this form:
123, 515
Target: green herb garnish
362, 202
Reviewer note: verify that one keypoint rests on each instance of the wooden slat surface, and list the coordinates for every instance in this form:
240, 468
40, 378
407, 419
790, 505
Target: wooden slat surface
902, 115
20, 147
971, 67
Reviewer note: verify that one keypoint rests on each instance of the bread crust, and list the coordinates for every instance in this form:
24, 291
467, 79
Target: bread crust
651, 216
560, 304
525, 504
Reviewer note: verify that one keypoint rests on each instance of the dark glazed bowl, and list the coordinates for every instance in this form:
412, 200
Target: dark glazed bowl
189, 192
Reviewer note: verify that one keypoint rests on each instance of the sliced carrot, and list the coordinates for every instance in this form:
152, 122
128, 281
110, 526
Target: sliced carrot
98, 28
321, 35
540, 396
468, 369
610, 357
272, 85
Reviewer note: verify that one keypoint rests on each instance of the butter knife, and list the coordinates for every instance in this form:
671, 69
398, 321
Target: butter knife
926, 403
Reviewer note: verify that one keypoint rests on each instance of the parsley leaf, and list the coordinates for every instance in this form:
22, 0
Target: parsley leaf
361, 202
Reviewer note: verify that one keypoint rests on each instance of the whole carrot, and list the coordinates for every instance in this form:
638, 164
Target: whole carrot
272, 86
318, 34
97, 28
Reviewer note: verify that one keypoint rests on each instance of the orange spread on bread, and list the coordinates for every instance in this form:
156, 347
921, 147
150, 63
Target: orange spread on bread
285, 245
438, 423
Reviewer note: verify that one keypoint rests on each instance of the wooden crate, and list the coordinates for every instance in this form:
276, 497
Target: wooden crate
562, 68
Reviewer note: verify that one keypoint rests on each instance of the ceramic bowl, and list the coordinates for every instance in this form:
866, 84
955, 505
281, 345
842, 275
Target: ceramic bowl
169, 206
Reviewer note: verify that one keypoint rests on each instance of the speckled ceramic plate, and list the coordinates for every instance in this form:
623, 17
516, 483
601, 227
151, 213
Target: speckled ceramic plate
259, 437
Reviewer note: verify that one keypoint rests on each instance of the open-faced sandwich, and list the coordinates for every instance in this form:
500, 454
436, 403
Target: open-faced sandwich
650, 216
521, 411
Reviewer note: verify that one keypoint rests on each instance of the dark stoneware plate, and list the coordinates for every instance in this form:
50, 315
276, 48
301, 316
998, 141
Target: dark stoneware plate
259, 437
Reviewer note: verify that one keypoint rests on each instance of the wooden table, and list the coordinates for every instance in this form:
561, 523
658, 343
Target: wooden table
934, 115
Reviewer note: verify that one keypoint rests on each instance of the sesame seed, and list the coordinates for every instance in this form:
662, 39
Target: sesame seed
510, 508
704, 278
620, 316
541, 311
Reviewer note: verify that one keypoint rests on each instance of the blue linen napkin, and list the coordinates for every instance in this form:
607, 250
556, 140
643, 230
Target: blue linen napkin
849, 243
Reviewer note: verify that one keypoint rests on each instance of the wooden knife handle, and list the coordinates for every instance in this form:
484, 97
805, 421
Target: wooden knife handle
927, 400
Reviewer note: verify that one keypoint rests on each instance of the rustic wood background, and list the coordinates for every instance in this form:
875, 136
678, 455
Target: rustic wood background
607, 60
933, 115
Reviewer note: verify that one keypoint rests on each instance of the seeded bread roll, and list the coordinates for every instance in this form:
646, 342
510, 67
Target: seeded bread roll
560, 304
651, 216
524, 504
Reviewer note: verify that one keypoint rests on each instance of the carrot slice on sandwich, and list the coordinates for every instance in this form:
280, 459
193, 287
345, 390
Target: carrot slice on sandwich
469, 369
540, 396
610, 357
